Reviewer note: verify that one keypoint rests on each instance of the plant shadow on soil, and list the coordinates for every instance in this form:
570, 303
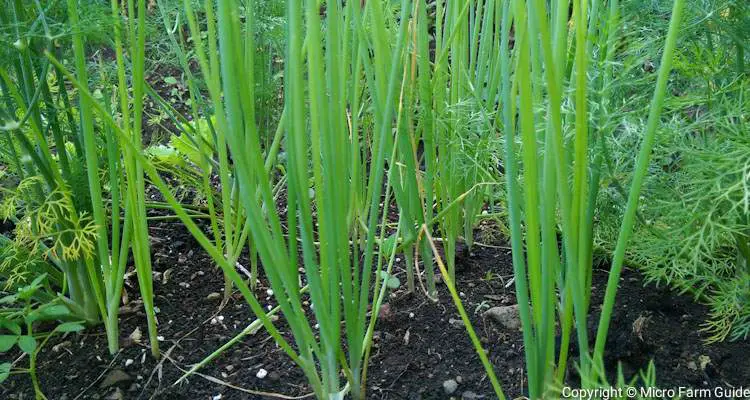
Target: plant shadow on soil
418, 344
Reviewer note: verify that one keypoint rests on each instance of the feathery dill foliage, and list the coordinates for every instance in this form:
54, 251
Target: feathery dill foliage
693, 231
59, 155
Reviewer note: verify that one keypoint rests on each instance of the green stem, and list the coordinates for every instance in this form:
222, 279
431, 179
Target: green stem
639, 176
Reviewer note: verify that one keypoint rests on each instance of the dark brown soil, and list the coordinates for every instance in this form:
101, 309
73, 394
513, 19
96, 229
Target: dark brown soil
418, 345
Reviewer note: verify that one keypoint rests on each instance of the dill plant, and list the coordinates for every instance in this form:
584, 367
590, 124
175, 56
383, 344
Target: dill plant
692, 231
695, 238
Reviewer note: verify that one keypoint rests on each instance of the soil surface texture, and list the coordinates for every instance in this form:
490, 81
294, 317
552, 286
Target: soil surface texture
421, 349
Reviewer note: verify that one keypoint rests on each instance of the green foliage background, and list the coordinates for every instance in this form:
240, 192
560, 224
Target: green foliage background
694, 217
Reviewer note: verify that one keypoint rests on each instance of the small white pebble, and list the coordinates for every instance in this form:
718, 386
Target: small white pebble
214, 321
220, 318
217, 397
269, 292
261, 373
160, 338
317, 326
398, 259
129, 362
411, 315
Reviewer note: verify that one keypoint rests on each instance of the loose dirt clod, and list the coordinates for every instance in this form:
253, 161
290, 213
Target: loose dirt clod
114, 377
507, 316
450, 386
468, 395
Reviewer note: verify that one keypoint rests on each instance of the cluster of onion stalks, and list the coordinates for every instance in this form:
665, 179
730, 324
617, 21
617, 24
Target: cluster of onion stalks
54, 148
362, 87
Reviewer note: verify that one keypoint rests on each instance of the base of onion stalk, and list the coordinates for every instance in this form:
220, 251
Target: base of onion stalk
81, 300
152, 333
112, 327
409, 260
341, 394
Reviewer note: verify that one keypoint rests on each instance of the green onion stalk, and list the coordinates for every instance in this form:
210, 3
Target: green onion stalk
132, 123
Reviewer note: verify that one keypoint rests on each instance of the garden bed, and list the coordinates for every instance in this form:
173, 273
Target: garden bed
419, 344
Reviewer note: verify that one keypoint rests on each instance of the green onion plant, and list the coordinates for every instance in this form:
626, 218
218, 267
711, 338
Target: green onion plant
60, 207
330, 76
205, 146
338, 226
552, 186
536, 92
374, 107
443, 151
